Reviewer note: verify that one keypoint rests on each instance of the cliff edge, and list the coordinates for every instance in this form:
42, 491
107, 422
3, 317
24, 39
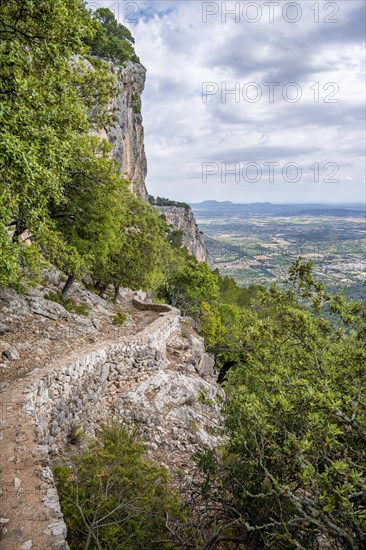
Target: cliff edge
126, 134
182, 219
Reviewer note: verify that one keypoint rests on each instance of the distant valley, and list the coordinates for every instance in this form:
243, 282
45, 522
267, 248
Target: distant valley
255, 243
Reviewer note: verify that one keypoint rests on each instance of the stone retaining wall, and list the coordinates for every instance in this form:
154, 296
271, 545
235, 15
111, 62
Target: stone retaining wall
55, 403
145, 306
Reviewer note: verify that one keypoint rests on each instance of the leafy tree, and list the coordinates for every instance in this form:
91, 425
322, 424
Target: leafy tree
92, 214
112, 40
113, 497
175, 238
192, 285
231, 293
47, 100
293, 471
138, 260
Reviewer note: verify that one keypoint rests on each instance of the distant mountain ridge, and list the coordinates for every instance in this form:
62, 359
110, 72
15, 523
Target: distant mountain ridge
304, 209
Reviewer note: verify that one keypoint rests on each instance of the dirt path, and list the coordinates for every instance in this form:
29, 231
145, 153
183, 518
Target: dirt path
28, 518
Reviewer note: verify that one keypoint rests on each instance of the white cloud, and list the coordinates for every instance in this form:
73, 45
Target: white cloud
181, 52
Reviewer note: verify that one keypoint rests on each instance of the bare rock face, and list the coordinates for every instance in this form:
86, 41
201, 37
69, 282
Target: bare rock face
183, 219
126, 135
175, 404
12, 307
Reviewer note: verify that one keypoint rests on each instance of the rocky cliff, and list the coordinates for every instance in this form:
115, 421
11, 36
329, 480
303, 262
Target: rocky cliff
183, 219
126, 135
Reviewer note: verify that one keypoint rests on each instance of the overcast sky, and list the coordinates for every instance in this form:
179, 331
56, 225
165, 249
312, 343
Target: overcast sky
293, 130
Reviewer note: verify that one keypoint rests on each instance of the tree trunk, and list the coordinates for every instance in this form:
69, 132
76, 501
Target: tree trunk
88, 540
116, 294
20, 227
102, 292
68, 285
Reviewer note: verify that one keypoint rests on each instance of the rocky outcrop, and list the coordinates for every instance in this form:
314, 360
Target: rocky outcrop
126, 134
183, 219
166, 405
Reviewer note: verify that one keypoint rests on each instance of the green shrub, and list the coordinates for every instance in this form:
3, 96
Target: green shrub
112, 40
112, 497
119, 319
81, 308
136, 107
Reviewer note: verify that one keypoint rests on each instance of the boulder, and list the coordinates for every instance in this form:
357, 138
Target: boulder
47, 308
11, 354
206, 366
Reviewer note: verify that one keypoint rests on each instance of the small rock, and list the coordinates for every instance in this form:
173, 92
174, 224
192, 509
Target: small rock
56, 529
25, 346
152, 446
4, 346
11, 354
4, 328
35, 371
96, 323
17, 484
27, 545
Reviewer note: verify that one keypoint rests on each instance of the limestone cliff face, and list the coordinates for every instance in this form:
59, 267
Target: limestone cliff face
184, 220
126, 135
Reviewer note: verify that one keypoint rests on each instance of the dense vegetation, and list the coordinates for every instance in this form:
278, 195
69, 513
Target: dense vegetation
161, 201
294, 468
291, 473
107, 504
112, 40
62, 198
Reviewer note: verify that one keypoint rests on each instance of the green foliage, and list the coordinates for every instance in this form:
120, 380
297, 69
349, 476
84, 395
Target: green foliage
112, 40
119, 319
136, 103
175, 238
188, 287
70, 305
92, 213
47, 100
160, 201
136, 107
294, 466
113, 497
138, 259
232, 293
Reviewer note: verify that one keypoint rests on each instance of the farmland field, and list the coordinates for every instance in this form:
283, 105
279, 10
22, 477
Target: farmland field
257, 243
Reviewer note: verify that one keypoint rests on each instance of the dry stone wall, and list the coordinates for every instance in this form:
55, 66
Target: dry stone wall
52, 404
